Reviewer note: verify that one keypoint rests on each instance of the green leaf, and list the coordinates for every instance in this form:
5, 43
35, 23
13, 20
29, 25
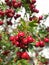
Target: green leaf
32, 24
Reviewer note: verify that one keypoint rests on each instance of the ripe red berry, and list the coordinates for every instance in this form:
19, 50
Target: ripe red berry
1, 22
22, 45
16, 37
9, 12
25, 55
15, 5
21, 34
35, 10
40, 17
13, 42
19, 4
33, 1
13, 1
30, 18
25, 41
9, 3
11, 38
46, 40
37, 44
30, 39
6, 0
17, 44
32, 6
19, 54
10, 15
42, 44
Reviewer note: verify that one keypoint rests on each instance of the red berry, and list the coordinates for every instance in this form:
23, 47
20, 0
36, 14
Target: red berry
41, 17
30, 39
6, 0
17, 44
46, 39
37, 44
13, 42
25, 41
22, 45
10, 15
11, 38
25, 55
21, 34
15, 5
16, 38
9, 4
1, 22
35, 10
19, 4
32, 6
19, 54
30, 18
33, 1
42, 44
13, 1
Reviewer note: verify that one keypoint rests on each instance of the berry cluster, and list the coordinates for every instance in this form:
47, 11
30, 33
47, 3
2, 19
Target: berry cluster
36, 18
13, 3
42, 43
20, 40
32, 6
9, 13
23, 55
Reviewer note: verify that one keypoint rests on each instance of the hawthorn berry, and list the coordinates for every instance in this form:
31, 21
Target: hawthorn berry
25, 56
11, 38
6, 0
13, 1
42, 44
19, 54
25, 41
30, 39
22, 45
37, 44
16, 37
40, 17
33, 1
46, 40
30, 18
15, 5
19, 4
21, 34
35, 10
17, 44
